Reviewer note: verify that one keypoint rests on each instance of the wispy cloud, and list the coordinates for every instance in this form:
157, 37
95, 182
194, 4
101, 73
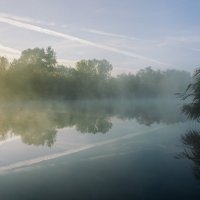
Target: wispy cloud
22, 19
26, 19
117, 35
57, 34
110, 34
179, 40
9, 50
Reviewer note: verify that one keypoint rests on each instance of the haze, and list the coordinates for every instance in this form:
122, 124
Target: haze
130, 34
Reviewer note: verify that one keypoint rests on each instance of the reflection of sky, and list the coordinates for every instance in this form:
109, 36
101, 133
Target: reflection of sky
69, 141
137, 167
130, 34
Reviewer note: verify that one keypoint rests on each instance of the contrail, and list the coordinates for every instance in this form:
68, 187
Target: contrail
39, 29
117, 35
8, 49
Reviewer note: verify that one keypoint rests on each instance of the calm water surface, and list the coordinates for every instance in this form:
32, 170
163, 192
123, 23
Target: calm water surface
141, 149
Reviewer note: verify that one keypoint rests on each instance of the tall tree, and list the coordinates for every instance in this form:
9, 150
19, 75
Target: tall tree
100, 68
3, 63
192, 93
37, 57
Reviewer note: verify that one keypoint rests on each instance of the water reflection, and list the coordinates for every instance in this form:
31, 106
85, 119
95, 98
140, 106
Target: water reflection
191, 141
38, 122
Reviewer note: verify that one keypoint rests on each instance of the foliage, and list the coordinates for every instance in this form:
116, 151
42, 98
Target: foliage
192, 94
3, 64
191, 141
36, 74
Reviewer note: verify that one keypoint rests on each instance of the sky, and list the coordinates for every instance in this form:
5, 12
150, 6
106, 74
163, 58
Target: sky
130, 34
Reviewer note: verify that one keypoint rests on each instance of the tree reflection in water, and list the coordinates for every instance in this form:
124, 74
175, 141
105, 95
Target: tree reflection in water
191, 108
191, 140
37, 122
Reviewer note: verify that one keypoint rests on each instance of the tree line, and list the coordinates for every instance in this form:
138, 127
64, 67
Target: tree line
36, 74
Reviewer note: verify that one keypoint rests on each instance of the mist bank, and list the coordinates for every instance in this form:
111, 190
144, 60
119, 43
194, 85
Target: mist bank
38, 122
36, 74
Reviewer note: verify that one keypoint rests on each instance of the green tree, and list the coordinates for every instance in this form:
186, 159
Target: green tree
99, 68
4, 64
91, 77
192, 93
37, 57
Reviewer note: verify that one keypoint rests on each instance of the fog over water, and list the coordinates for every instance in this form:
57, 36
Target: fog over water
37, 122
70, 139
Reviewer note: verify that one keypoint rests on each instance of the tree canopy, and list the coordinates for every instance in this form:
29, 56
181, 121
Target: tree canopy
192, 94
37, 57
36, 74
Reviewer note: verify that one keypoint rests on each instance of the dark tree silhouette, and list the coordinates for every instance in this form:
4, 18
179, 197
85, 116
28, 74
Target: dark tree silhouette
191, 140
192, 94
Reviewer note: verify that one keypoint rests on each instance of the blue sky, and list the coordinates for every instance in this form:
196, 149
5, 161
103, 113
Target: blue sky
131, 34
